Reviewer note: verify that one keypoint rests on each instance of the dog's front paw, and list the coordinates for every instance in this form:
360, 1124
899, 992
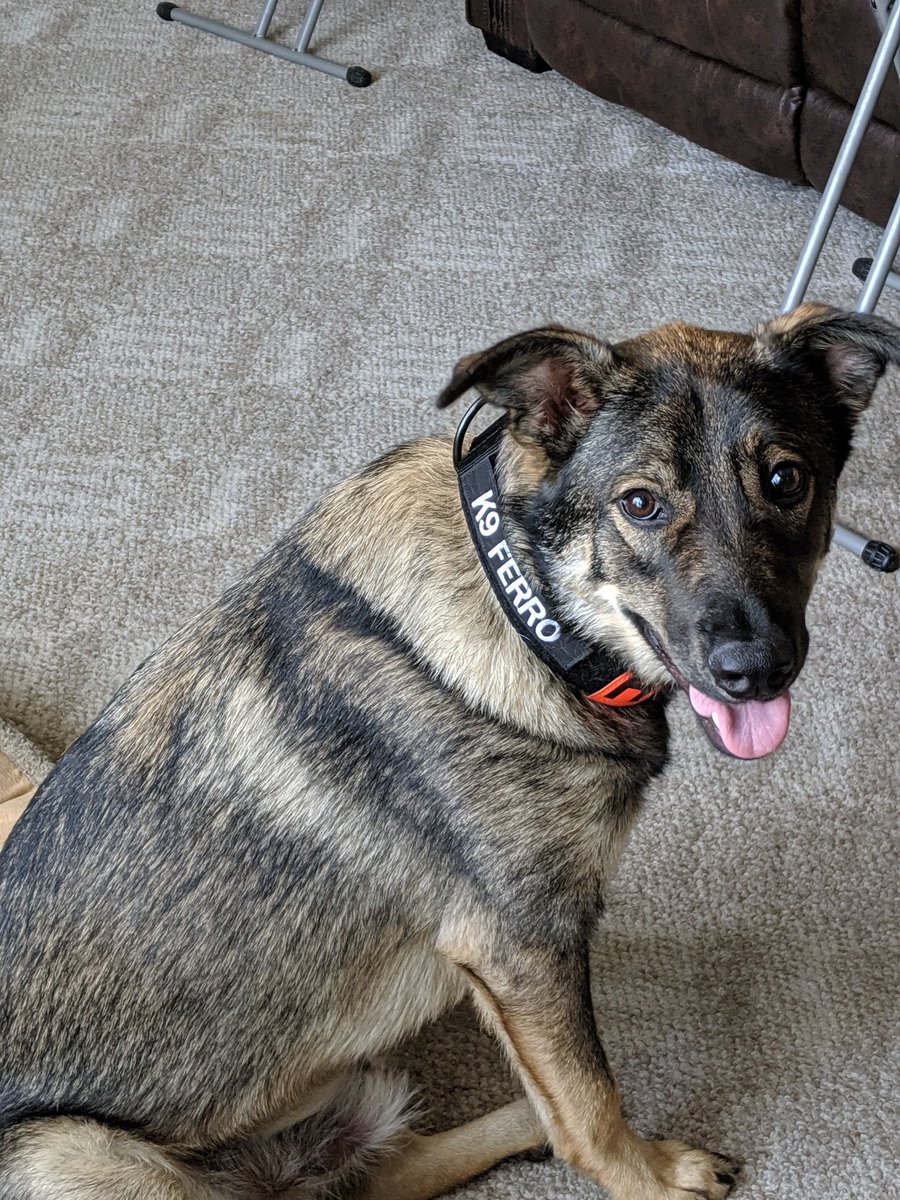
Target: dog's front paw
685, 1171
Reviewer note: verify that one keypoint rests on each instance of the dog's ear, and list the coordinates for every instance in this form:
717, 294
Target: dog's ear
547, 378
853, 348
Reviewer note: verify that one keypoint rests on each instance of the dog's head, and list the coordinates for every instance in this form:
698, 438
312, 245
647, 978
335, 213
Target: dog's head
677, 492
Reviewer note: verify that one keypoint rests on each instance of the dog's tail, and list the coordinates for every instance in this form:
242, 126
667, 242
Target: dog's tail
325, 1155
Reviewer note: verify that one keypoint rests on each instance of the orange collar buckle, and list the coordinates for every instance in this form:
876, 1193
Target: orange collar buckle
617, 694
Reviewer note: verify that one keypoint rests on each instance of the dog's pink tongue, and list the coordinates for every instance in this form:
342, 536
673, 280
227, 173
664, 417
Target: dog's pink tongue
749, 730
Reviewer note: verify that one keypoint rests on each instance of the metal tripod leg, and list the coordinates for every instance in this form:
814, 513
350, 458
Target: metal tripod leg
258, 40
861, 269
874, 553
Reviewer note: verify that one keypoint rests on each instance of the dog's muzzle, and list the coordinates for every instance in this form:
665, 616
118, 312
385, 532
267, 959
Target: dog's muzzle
745, 729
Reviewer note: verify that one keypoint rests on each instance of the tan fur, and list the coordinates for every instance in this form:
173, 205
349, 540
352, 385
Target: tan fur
478, 651
708, 351
69, 1158
424, 1167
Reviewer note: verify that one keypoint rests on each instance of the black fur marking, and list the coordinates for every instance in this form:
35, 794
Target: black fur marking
329, 719
379, 466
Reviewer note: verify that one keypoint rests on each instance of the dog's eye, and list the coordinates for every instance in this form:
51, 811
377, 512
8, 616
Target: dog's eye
641, 505
787, 484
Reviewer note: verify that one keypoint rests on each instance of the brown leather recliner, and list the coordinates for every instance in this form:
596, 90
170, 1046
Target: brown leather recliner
768, 83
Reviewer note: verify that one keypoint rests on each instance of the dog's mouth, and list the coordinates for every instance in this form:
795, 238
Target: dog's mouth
750, 729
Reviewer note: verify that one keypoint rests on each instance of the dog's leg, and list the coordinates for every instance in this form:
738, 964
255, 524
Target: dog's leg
540, 1007
428, 1166
71, 1158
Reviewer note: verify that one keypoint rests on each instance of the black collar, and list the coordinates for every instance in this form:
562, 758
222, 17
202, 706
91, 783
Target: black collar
595, 673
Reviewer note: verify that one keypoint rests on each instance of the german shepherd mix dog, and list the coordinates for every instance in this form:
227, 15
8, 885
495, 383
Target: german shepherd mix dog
351, 792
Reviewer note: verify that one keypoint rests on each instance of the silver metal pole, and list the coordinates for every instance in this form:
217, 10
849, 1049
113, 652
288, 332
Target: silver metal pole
862, 114
257, 43
309, 24
882, 262
357, 77
861, 269
265, 19
850, 540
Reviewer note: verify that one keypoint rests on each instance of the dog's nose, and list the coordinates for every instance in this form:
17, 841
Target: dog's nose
752, 670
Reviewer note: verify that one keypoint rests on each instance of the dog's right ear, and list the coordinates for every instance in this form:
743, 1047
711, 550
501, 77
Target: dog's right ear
547, 378
855, 348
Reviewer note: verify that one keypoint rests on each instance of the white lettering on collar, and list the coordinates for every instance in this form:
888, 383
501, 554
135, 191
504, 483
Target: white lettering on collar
509, 575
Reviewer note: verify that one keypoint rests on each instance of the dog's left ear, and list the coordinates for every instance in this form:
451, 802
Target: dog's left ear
854, 348
549, 380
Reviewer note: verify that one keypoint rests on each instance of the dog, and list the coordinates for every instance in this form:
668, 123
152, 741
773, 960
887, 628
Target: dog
360, 786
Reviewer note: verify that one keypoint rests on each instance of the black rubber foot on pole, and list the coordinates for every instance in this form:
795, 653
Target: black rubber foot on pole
862, 267
358, 77
881, 557
164, 11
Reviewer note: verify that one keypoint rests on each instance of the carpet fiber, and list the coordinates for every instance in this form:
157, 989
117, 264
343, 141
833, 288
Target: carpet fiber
227, 281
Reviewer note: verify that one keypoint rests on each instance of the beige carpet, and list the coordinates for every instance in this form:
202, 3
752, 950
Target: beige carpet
225, 281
